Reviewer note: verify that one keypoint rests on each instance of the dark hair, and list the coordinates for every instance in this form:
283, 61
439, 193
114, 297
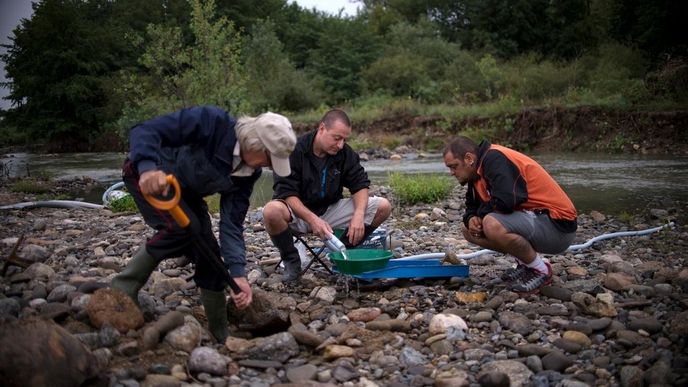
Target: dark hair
460, 146
333, 116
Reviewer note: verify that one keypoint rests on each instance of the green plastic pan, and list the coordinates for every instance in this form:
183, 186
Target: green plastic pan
360, 260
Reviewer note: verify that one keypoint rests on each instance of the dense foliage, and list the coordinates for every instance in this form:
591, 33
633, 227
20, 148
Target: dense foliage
80, 70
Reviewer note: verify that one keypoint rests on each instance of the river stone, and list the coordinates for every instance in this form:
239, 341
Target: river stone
302, 373
306, 337
599, 323
517, 372
556, 361
158, 380
279, 347
598, 306
516, 322
206, 359
185, 337
333, 352
40, 272
631, 376
9, 307
364, 314
442, 322
578, 337
112, 306
47, 354
649, 324
494, 379
618, 282
35, 253
567, 345
556, 292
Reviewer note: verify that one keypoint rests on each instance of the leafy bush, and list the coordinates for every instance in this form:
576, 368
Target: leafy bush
124, 204
399, 74
530, 79
420, 188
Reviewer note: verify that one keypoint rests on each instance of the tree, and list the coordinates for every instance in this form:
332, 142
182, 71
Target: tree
57, 61
206, 71
344, 48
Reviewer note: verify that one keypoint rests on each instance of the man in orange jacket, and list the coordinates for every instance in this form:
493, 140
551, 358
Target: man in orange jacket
512, 206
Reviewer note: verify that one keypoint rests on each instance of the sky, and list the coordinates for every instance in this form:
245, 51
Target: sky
329, 6
12, 11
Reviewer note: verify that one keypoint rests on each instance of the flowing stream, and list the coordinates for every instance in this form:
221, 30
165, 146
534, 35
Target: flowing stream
612, 184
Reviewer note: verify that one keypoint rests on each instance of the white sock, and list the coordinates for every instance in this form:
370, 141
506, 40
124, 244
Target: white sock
539, 265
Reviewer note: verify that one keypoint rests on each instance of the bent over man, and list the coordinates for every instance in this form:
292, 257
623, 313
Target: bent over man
310, 199
512, 206
209, 152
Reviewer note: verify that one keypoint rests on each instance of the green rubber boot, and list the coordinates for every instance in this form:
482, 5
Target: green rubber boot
215, 305
135, 275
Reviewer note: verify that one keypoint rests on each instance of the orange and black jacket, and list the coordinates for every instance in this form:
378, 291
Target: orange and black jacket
511, 181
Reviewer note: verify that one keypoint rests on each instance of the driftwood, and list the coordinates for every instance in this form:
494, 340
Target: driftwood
14, 259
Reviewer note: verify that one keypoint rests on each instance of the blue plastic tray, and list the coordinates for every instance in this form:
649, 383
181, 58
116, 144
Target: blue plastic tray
421, 268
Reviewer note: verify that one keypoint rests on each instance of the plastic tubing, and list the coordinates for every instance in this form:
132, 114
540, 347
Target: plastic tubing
53, 204
572, 248
112, 188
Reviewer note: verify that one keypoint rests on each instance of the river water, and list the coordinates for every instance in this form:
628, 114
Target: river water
611, 184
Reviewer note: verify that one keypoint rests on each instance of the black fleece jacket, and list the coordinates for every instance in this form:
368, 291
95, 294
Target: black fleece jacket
320, 188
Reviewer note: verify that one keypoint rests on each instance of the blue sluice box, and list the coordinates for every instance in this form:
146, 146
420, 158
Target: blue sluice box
416, 268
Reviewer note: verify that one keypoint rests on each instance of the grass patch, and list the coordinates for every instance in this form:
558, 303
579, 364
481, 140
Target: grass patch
213, 202
420, 188
124, 204
31, 186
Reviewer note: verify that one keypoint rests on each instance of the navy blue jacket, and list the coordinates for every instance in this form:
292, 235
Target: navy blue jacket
197, 145
320, 189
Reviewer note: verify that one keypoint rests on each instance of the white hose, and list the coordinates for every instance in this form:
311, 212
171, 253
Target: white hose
106, 195
571, 248
52, 204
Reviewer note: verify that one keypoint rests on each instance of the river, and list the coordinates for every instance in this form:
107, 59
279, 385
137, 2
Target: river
611, 184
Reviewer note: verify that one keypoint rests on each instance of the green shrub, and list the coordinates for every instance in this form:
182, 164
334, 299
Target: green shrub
124, 204
420, 188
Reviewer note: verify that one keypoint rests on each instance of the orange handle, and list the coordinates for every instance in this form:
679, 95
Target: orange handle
171, 205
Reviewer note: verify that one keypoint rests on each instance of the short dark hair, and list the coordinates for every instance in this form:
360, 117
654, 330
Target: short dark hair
333, 116
460, 146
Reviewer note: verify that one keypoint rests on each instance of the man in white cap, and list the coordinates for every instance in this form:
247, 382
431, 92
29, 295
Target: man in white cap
209, 152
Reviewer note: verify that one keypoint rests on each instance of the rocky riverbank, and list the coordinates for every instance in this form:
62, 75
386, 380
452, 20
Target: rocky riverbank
615, 314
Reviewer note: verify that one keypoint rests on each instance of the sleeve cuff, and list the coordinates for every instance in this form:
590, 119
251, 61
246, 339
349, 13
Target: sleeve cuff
145, 166
237, 270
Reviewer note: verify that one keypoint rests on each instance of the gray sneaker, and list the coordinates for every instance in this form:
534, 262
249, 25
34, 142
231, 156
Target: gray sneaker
532, 281
514, 273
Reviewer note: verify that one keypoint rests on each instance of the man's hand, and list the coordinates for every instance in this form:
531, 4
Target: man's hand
321, 228
356, 229
153, 183
243, 299
475, 227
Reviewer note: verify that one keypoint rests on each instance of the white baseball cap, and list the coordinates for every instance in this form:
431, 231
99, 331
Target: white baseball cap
275, 132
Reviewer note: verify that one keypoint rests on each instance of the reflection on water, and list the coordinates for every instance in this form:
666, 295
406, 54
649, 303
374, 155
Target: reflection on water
608, 183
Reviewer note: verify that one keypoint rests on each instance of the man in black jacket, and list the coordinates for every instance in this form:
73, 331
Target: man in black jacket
209, 152
310, 199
